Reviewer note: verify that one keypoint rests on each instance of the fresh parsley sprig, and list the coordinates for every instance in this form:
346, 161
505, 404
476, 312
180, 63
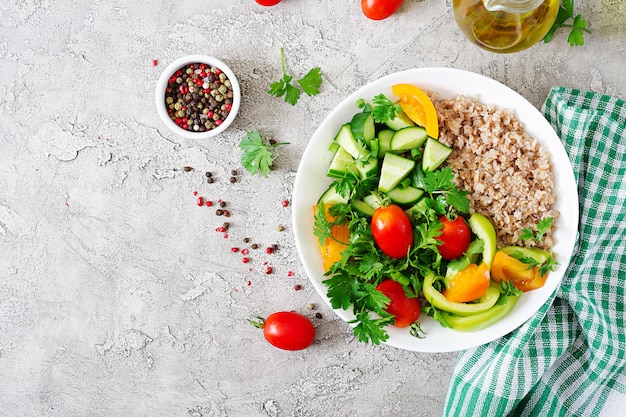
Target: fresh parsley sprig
310, 83
257, 156
382, 109
578, 25
542, 228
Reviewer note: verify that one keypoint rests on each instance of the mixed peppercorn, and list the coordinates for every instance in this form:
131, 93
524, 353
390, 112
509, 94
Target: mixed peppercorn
198, 97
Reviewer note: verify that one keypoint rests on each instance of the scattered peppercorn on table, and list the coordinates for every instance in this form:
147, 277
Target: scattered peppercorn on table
133, 258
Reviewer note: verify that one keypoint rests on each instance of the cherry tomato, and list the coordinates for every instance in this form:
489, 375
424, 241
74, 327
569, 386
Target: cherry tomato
287, 330
380, 9
406, 309
468, 285
268, 2
392, 231
455, 237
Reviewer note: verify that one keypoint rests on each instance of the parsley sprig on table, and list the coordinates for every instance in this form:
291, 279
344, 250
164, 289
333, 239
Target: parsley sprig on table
310, 84
257, 156
578, 25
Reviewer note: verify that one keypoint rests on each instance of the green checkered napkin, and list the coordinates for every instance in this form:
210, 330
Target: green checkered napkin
570, 358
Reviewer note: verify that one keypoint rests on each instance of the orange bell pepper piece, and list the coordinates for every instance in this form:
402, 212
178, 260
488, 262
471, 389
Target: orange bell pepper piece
418, 106
332, 248
468, 285
507, 268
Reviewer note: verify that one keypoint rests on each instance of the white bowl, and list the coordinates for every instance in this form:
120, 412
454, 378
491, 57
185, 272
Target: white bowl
311, 181
162, 85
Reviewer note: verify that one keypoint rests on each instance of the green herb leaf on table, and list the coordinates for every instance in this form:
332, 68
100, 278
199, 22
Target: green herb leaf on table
257, 156
310, 84
578, 26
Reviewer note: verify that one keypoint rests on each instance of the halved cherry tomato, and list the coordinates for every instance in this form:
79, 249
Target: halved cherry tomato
507, 268
287, 330
268, 2
332, 248
455, 237
380, 9
406, 309
468, 285
392, 231
418, 106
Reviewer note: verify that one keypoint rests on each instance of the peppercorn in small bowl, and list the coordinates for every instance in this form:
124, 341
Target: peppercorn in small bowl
197, 96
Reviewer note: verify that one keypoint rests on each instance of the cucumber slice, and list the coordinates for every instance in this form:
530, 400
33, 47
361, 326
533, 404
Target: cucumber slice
333, 147
374, 200
384, 141
482, 227
347, 141
394, 169
363, 208
331, 197
342, 164
363, 127
407, 195
369, 168
408, 138
399, 122
435, 153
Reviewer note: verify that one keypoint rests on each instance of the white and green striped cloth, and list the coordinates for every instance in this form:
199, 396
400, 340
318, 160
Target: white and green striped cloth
569, 359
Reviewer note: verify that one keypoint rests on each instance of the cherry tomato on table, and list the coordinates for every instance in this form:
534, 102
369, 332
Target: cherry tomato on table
392, 231
287, 330
268, 2
455, 237
380, 9
406, 309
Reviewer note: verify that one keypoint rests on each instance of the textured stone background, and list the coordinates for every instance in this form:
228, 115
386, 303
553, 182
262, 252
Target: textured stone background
117, 295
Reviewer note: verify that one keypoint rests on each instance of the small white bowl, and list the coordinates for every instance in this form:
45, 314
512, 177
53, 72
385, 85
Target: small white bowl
162, 85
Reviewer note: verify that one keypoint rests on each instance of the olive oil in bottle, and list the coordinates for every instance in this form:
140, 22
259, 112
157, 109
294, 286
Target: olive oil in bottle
505, 26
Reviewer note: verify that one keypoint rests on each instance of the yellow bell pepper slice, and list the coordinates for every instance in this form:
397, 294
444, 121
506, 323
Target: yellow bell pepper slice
418, 106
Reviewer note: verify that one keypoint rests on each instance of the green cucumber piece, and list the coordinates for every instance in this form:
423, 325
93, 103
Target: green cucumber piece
374, 200
408, 138
399, 122
363, 208
435, 153
437, 299
342, 164
406, 195
347, 141
369, 168
384, 141
394, 169
363, 127
333, 147
482, 227
331, 197
539, 255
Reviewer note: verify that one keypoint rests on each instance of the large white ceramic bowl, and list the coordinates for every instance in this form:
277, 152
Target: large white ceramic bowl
311, 181
162, 84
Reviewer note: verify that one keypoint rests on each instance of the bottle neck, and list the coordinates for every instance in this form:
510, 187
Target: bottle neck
512, 6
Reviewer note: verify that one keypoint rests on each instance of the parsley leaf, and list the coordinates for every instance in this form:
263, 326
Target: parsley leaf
578, 26
542, 228
371, 330
384, 109
310, 84
256, 155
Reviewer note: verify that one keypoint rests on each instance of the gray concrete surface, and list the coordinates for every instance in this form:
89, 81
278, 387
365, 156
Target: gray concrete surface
117, 295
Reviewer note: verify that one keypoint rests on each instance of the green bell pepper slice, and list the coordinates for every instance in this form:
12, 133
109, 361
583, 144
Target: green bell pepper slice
481, 320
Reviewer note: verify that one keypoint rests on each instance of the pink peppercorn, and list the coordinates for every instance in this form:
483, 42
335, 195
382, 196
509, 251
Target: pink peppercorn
245, 260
